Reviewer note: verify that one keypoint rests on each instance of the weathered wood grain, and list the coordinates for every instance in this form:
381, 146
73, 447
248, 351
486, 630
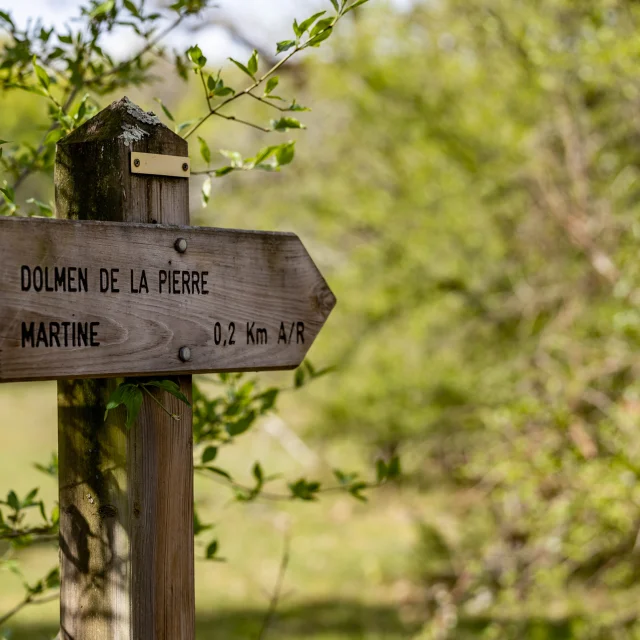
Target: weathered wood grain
239, 300
126, 497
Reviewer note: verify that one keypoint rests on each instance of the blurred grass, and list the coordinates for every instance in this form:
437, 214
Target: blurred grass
346, 577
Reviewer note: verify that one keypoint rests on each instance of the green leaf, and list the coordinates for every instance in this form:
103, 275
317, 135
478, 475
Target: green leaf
304, 490
286, 123
321, 25
53, 136
234, 156
355, 491
206, 192
345, 479
266, 167
258, 473
335, 4
240, 426
131, 397
6, 17
12, 501
285, 45
52, 581
209, 454
223, 91
272, 83
44, 209
131, 7
205, 152
298, 378
393, 468
309, 21
381, 471
195, 55
253, 63
51, 469
223, 171
133, 404
42, 75
286, 153
265, 153
198, 526
357, 3
212, 550
184, 125
116, 399
242, 68
321, 37
82, 109
103, 9
268, 399
170, 387
217, 471
8, 193
164, 108
28, 501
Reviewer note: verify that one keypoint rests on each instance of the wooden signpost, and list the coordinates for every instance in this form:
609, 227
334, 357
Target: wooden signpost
87, 299
123, 287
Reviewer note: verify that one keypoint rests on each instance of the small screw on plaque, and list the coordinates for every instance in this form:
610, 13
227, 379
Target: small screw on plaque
185, 354
180, 245
185, 167
136, 162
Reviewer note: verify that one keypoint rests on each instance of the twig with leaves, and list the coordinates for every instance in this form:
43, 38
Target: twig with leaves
308, 33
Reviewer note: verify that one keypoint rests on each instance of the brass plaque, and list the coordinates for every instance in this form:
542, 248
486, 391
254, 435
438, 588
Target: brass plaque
155, 164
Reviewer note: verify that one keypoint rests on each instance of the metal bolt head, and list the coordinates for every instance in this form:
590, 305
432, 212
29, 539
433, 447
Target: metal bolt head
136, 162
184, 354
185, 167
180, 245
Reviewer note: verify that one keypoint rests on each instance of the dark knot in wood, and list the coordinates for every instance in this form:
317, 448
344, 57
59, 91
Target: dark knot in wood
107, 511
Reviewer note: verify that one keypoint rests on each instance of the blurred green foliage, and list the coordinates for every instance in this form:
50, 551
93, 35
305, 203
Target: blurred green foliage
474, 184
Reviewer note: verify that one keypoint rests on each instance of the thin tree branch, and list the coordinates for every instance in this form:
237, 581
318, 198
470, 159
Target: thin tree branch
150, 45
249, 124
246, 91
29, 599
276, 497
239, 36
277, 591
46, 533
91, 81
171, 415
271, 104
206, 90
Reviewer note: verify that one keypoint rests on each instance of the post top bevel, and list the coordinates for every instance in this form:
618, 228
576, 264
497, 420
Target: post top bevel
123, 120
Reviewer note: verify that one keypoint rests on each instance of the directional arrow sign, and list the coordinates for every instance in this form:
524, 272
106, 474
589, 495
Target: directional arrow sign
92, 299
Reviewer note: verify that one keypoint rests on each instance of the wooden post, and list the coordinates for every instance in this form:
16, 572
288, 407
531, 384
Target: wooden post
126, 498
